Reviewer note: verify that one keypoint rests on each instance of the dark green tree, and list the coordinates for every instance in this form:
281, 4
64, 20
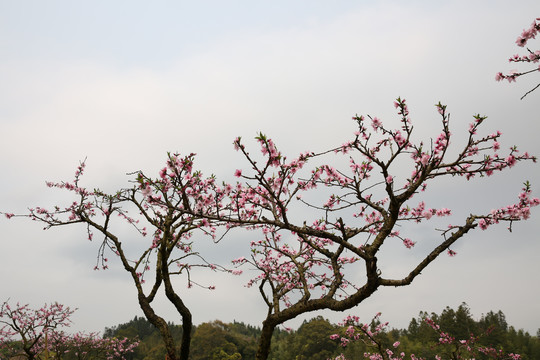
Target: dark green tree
312, 340
495, 327
214, 341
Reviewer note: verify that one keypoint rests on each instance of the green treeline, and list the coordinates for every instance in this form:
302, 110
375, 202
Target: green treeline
220, 341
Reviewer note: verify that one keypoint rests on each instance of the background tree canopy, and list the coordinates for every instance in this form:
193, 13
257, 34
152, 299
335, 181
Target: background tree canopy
221, 341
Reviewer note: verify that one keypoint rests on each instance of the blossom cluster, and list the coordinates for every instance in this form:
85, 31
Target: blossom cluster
368, 333
87, 346
530, 57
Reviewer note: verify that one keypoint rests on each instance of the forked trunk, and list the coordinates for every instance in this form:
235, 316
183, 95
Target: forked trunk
162, 327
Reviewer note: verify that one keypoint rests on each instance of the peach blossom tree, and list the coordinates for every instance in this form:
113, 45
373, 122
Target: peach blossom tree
307, 263
25, 327
35, 334
153, 208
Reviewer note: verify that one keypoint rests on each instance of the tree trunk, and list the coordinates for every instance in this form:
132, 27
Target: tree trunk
187, 322
265, 341
161, 325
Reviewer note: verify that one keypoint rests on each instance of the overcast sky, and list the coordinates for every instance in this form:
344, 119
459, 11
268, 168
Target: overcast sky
122, 82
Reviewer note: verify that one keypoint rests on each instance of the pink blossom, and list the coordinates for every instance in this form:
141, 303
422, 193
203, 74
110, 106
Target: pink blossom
443, 212
238, 173
408, 243
510, 160
427, 214
163, 173
376, 123
483, 224
146, 191
424, 159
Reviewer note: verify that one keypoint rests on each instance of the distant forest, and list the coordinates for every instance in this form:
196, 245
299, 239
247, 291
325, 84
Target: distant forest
233, 341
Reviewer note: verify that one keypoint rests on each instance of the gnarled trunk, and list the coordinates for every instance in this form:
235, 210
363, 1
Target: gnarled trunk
187, 323
161, 325
265, 340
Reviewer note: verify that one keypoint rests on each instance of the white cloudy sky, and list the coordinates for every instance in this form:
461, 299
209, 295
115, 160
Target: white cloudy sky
121, 83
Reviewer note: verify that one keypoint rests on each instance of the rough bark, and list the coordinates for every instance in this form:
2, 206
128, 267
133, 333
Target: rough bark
161, 325
187, 323
265, 340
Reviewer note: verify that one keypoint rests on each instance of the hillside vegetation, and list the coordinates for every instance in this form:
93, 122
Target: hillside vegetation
232, 341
